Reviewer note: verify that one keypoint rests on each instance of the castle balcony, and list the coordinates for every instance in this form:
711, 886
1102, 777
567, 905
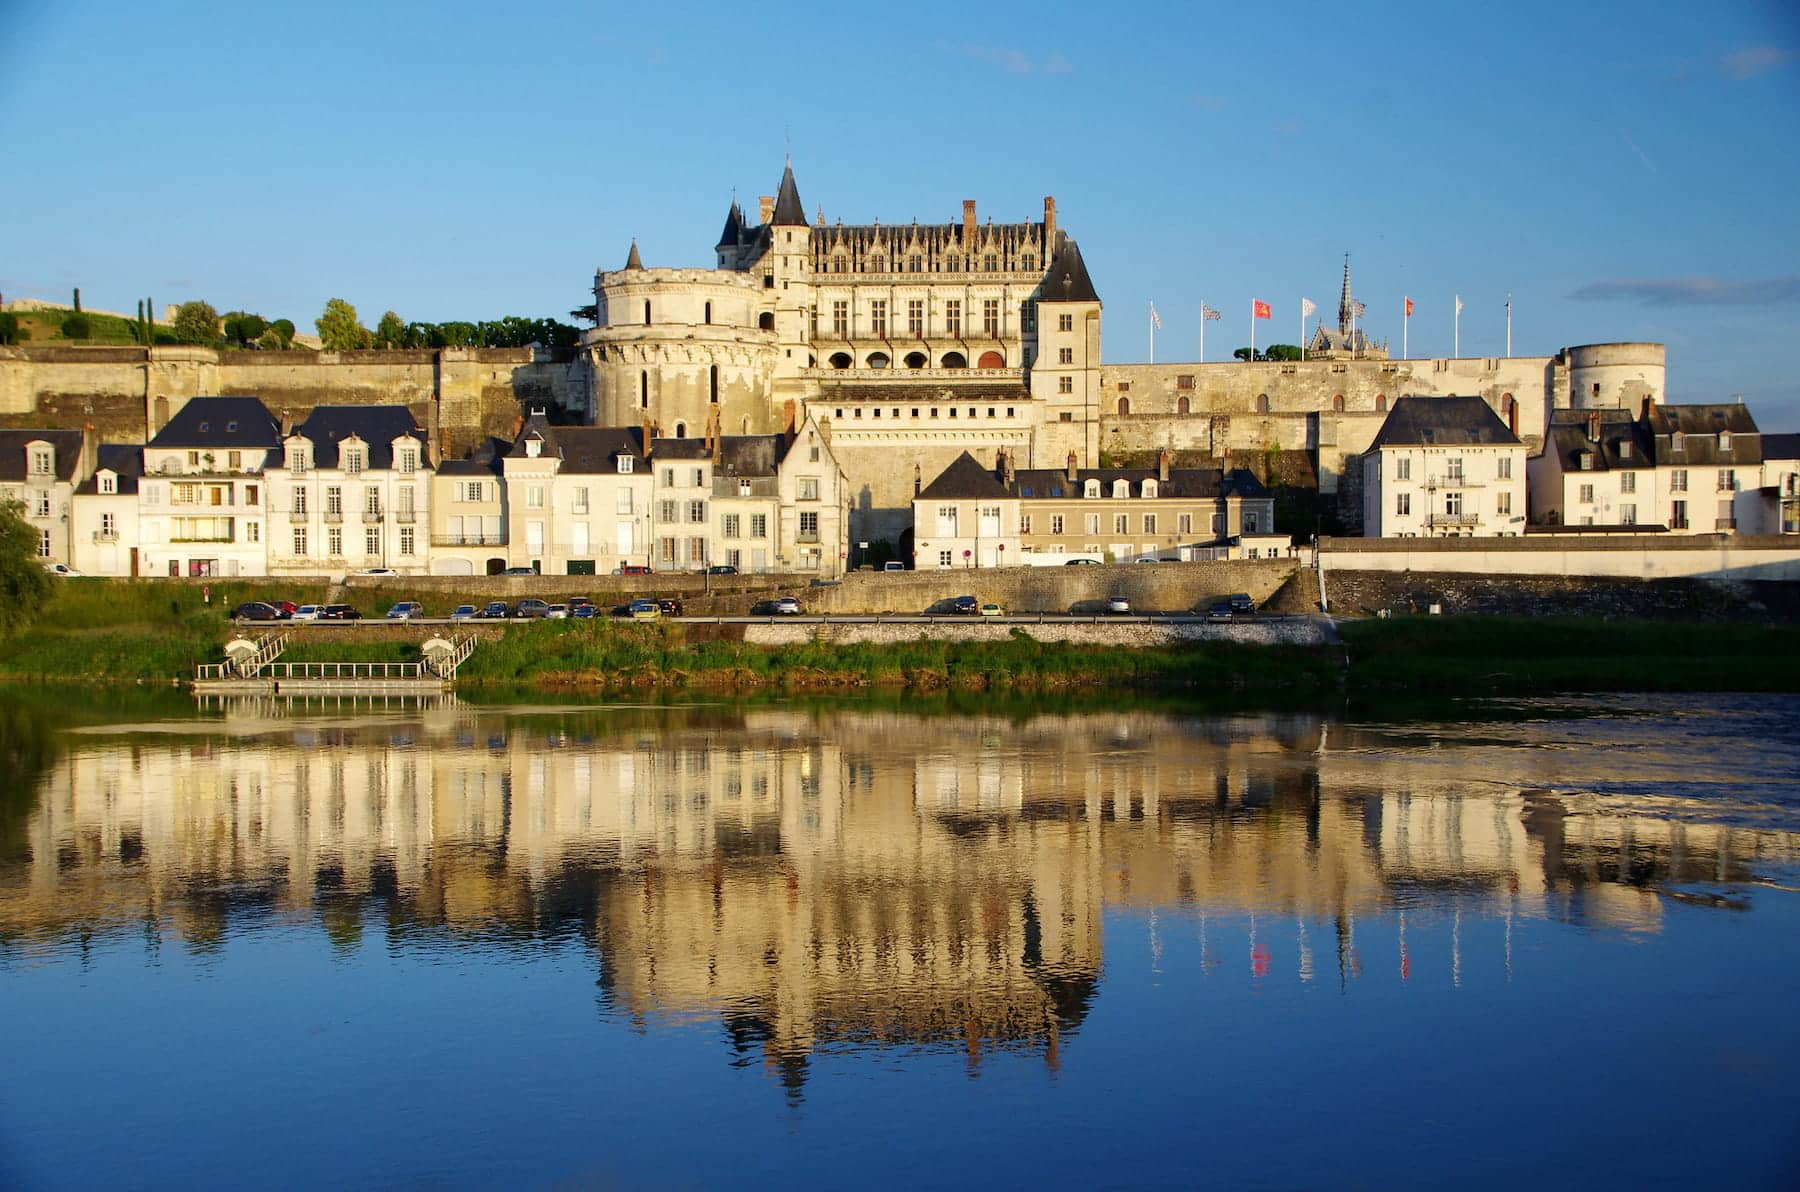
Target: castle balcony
893, 376
405, 517
371, 517
1452, 521
106, 535
333, 517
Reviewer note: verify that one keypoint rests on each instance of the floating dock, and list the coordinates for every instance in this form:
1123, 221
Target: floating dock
252, 667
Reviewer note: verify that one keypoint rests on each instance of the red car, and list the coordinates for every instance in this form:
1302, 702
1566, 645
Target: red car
632, 569
284, 607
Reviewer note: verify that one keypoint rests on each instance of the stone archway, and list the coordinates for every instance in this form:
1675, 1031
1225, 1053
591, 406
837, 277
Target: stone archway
954, 360
991, 360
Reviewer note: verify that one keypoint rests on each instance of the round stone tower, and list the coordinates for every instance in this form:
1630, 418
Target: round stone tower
1615, 376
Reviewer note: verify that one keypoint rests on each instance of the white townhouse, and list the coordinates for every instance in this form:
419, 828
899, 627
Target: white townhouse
1443, 467
577, 498
1597, 469
350, 490
106, 513
201, 503
1708, 465
39, 471
468, 513
1777, 509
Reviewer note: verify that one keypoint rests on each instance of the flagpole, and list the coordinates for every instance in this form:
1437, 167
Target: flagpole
1252, 331
1509, 326
1153, 333
1405, 331
1303, 329
1203, 331
1456, 328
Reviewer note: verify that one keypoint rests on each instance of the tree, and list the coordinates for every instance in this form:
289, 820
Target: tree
243, 328
1281, 352
9, 327
270, 341
339, 328
1247, 354
390, 332
196, 322
285, 329
77, 326
24, 584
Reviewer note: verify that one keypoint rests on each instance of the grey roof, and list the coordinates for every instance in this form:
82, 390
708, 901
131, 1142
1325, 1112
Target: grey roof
1442, 422
789, 210
126, 460
661, 449
1067, 279
1700, 425
1781, 446
1624, 442
483, 461
734, 224
632, 260
215, 422
13, 464
965, 479
1183, 483
580, 448
750, 455
378, 426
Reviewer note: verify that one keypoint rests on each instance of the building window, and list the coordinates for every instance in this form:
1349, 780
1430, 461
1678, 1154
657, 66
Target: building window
43, 544
1503, 504
1065, 355
353, 461
696, 513
915, 263
534, 497
944, 559
1627, 482
809, 526
1727, 480
1627, 515
1065, 322
1092, 523
299, 542
1124, 406
1403, 504
1678, 480
372, 542
666, 511
991, 263
1262, 403
1453, 470
252, 531
1453, 504
840, 318
107, 484
43, 461
334, 500
334, 542
299, 501
1149, 523
878, 318
730, 525
759, 525
1028, 313
1585, 494
953, 317
1252, 522
990, 316
1181, 405
40, 506
809, 488
581, 500
1505, 466
1678, 519
1056, 523
915, 317
1025, 523
1065, 384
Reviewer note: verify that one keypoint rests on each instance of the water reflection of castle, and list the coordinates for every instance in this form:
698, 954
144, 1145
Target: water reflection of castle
812, 879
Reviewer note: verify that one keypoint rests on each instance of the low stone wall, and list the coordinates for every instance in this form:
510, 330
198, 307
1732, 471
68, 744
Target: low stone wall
1364, 593
1298, 631
1163, 587
1636, 556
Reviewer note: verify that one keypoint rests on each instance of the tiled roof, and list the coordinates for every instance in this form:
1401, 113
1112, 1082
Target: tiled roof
13, 462
221, 422
1443, 422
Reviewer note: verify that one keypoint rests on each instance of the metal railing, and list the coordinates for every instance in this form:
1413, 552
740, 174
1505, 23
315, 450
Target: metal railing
461, 649
1453, 519
468, 540
106, 535
1725, 523
371, 516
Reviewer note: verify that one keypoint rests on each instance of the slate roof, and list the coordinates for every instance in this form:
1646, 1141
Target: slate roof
1781, 447
1568, 437
13, 461
789, 210
483, 461
377, 426
734, 225
632, 259
967, 480
221, 422
1067, 278
661, 449
1443, 422
750, 455
963, 480
1700, 425
124, 459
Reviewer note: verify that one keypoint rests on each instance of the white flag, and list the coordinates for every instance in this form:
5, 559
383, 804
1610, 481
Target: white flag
1209, 314
1459, 304
1307, 307
1155, 319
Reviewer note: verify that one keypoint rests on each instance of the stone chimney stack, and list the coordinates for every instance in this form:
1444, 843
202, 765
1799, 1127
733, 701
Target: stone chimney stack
1648, 409
918, 480
649, 433
1071, 471
1593, 426
90, 452
1049, 227
1003, 467
1162, 465
968, 223
765, 206
789, 412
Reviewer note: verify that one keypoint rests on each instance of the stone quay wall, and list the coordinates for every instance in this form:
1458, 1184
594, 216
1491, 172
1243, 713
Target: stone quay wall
1633, 556
1287, 632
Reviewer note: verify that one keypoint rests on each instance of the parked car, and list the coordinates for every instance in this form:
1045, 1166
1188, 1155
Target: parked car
893, 565
575, 602
339, 612
721, 569
255, 610
308, 612
1242, 604
584, 611
406, 610
462, 612
1082, 563
643, 610
1220, 611
378, 571
787, 606
965, 606
61, 569
532, 608
990, 609
1117, 604
495, 610
557, 612
671, 607
632, 569
519, 571
287, 608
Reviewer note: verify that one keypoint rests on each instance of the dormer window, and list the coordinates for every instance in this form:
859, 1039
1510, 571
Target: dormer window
1587, 461
205, 426
1121, 489
625, 465
1724, 440
1625, 449
1149, 489
534, 447
43, 461
409, 459
353, 460
107, 483
1677, 442
1091, 489
299, 459
231, 427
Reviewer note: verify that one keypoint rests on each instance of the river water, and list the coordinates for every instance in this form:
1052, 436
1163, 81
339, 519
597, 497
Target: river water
1550, 943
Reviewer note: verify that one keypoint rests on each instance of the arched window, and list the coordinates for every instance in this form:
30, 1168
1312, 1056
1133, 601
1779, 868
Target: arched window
878, 360
1337, 403
1091, 489
1262, 403
916, 360
681, 430
709, 312
991, 360
1147, 489
840, 360
744, 426
644, 390
1121, 489
1380, 401
766, 321
1181, 406
1124, 406
954, 360
712, 383
646, 312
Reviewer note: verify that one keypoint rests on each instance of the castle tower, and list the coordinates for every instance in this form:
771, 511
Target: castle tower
731, 239
1065, 376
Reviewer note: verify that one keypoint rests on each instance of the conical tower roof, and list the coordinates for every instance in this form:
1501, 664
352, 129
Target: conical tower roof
789, 210
734, 224
634, 261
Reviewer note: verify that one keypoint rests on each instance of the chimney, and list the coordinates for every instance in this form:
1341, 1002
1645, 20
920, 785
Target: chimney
1071, 471
1003, 468
765, 206
788, 412
649, 433
1162, 465
715, 440
1594, 426
1049, 225
1649, 408
968, 223
90, 451
517, 426
918, 480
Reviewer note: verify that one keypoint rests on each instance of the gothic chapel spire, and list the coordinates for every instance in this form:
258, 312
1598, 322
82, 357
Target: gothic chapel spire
1345, 309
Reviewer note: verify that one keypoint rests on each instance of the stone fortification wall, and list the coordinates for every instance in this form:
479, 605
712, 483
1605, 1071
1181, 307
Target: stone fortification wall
129, 392
1297, 632
1636, 556
1164, 587
1364, 593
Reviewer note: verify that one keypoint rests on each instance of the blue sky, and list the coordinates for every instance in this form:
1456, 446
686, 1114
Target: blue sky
1625, 171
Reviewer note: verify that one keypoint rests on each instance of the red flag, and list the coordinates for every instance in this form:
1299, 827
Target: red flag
1409, 306
1259, 309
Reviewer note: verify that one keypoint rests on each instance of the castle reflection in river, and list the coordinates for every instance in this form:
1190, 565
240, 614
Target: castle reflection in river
811, 876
